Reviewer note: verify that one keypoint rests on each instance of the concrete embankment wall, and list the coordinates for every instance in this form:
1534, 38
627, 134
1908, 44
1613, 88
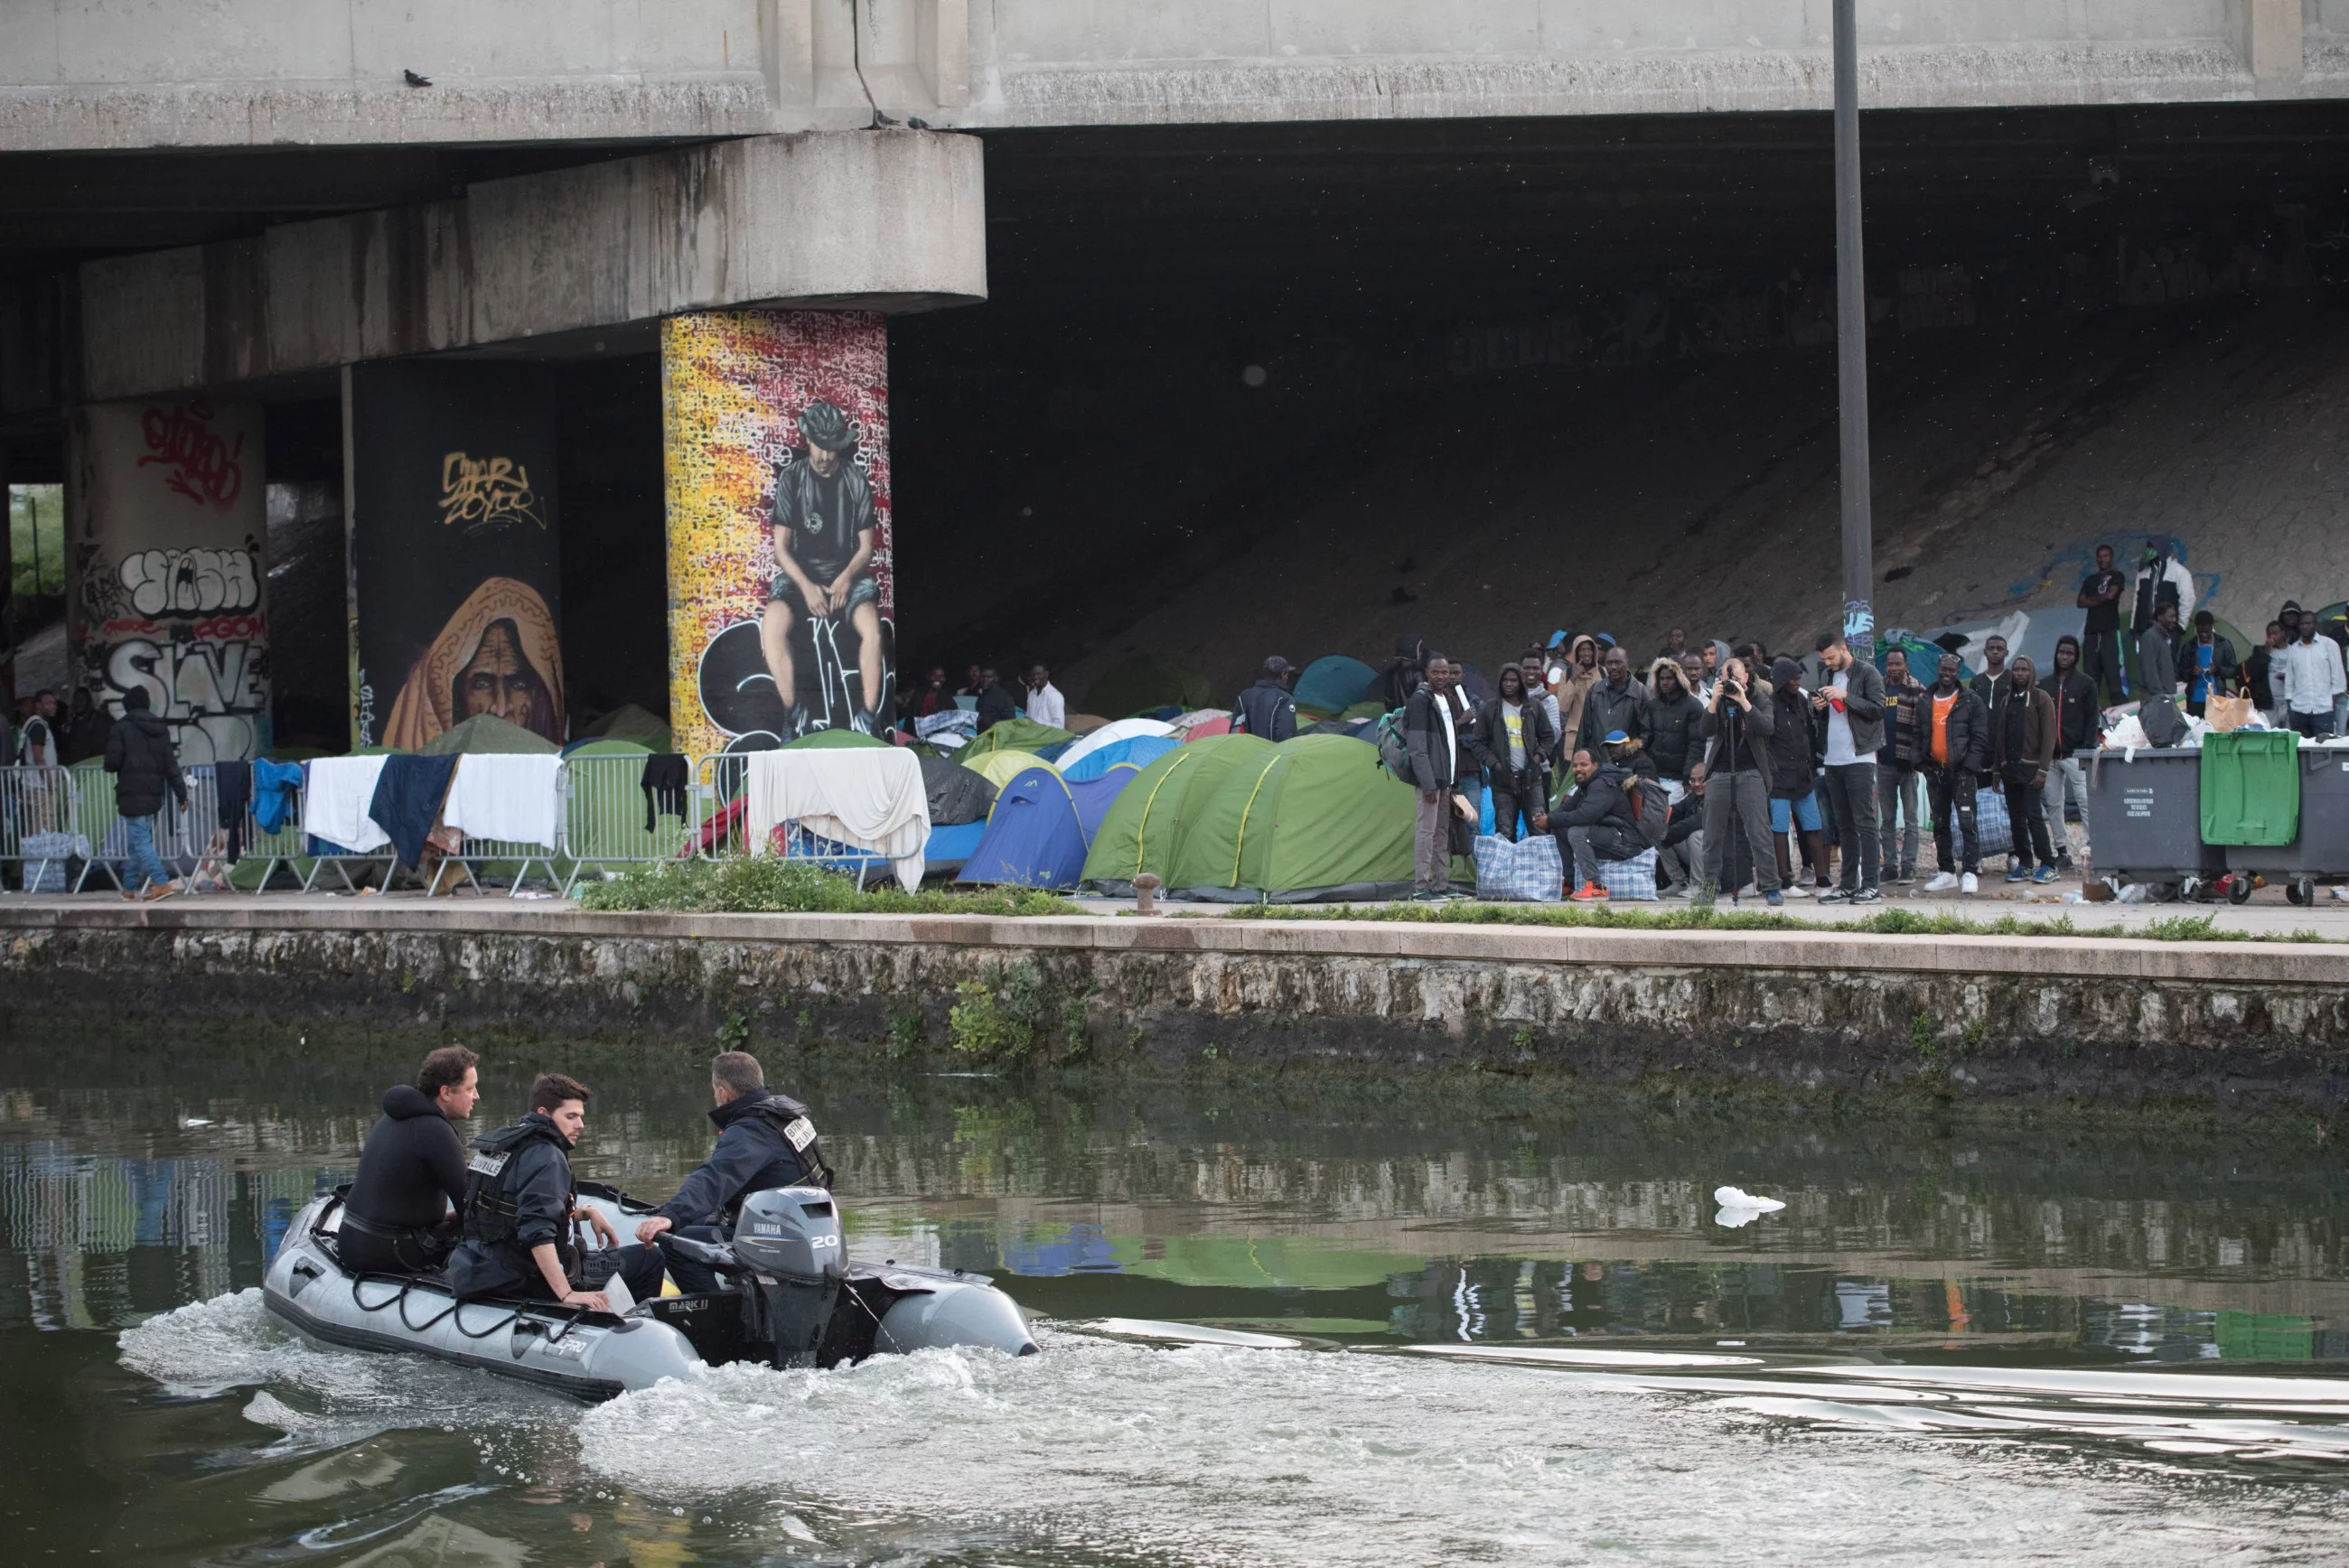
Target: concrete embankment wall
1974, 1017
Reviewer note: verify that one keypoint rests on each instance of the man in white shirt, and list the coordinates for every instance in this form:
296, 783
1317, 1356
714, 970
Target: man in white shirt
1045, 704
2306, 674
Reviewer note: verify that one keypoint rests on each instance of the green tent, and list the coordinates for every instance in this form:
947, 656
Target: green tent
1144, 682
834, 740
1000, 767
487, 735
607, 747
629, 722
1149, 820
1319, 819
1017, 734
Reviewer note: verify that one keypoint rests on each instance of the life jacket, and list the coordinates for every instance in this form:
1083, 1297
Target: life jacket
491, 1198
791, 1120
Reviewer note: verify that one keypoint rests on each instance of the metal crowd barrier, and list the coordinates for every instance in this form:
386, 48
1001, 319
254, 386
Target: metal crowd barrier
725, 778
607, 820
36, 827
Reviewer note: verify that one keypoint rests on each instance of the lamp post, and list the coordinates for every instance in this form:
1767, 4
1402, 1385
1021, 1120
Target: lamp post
1851, 346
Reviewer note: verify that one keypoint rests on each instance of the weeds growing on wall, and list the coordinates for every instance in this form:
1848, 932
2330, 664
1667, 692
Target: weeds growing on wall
1693, 917
769, 886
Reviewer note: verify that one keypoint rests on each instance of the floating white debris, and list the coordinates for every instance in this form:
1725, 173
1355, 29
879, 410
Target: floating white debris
1737, 1197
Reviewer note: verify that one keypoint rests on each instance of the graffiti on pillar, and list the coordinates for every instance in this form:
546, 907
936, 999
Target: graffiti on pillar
169, 578
455, 573
782, 591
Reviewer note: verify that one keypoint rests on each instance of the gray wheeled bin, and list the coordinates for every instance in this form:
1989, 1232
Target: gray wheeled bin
2320, 853
2145, 820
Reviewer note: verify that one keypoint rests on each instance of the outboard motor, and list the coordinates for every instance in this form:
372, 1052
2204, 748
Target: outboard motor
788, 1238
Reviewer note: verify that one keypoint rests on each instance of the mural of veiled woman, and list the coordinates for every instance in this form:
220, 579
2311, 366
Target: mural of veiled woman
498, 653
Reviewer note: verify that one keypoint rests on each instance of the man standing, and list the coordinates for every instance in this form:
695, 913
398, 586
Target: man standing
2312, 676
764, 1140
1512, 740
1671, 719
1265, 710
146, 766
1953, 728
1676, 643
38, 745
1738, 773
1045, 704
998, 702
1436, 724
2157, 655
519, 1205
2258, 676
1615, 703
402, 1215
2161, 581
1573, 688
2077, 724
1991, 683
1597, 821
1851, 700
1896, 770
2100, 596
2208, 663
824, 530
2022, 750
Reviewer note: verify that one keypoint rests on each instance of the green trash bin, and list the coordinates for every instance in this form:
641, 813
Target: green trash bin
2250, 787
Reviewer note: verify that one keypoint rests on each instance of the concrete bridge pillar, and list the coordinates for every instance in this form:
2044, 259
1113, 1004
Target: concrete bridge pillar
2273, 32
775, 441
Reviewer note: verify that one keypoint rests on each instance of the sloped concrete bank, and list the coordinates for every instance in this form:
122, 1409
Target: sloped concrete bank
1978, 1018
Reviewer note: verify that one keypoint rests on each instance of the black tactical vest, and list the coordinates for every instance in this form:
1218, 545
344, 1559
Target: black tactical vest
491, 1197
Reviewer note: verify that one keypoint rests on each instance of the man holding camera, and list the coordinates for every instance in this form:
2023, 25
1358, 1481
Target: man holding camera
1737, 771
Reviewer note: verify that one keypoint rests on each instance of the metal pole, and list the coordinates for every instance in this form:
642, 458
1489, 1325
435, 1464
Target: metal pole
1851, 344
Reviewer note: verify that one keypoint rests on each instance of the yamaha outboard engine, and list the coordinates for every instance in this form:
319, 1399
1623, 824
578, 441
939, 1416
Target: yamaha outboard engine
788, 1238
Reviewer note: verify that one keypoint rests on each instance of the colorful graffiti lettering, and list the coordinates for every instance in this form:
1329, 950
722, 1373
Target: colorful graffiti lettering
201, 465
482, 492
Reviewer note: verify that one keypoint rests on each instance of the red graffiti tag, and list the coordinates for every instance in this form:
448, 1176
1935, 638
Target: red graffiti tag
204, 467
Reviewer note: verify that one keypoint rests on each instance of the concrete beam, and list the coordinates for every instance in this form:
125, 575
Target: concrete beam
2274, 33
887, 219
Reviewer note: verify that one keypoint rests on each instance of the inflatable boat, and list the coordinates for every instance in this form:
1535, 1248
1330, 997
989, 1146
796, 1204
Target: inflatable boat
794, 1301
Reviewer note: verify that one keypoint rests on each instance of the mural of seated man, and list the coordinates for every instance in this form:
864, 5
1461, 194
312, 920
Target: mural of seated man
497, 655
823, 530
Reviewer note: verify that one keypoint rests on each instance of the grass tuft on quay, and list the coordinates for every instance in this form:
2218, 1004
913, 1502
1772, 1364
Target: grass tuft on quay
1698, 917
767, 886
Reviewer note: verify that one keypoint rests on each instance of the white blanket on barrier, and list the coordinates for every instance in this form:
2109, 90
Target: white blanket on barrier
871, 797
510, 798
334, 803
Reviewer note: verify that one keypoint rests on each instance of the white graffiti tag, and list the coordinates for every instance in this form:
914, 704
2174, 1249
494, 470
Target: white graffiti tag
189, 581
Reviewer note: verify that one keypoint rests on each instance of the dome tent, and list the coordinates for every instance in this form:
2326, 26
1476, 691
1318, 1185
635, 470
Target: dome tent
1017, 734
1041, 827
1110, 735
1000, 767
1318, 819
1144, 829
1135, 751
1333, 684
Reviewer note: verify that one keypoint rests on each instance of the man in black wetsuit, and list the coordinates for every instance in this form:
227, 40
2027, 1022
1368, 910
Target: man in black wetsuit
824, 532
400, 1217
519, 1205
764, 1140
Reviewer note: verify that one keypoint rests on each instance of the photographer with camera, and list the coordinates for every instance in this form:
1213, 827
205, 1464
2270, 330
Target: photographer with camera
1736, 732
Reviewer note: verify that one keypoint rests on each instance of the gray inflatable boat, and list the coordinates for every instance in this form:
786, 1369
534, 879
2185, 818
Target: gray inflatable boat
794, 1301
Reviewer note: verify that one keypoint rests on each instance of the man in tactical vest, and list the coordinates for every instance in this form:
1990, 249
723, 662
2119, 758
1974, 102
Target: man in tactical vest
519, 1205
764, 1140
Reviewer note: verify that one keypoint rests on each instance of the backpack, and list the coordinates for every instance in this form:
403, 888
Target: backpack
1395, 746
1652, 807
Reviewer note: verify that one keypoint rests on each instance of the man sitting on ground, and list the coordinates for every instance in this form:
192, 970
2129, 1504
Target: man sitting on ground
764, 1140
401, 1217
1597, 821
519, 1205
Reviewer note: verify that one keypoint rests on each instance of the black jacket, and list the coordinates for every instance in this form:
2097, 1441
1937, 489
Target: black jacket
411, 1168
1266, 710
1488, 738
2226, 669
1423, 729
1729, 726
1606, 709
1606, 798
2076, 715
997, 705
1673, 732
146, 766
1969, 732
538, 1180
752, 1156
1793, 745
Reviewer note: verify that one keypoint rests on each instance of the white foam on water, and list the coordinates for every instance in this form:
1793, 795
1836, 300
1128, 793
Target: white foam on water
1215, 1454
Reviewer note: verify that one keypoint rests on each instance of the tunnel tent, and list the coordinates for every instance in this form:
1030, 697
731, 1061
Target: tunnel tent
1034, 837
1317, 820
1333, 684
957, 794
1144, 827
487, 735
629, 722
1110, 735
1000, 768
1017, 734
1145, 682
1141, 750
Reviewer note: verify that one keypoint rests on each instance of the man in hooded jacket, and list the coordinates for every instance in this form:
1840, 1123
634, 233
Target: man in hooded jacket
400, 1216
1597, 821
1265, 708
1671, 720
765, 1140
1512, 741
1952, 742
145, 767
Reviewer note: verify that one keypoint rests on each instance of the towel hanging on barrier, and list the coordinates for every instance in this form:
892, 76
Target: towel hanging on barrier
870, 798
336, 800
407, 801
506, 796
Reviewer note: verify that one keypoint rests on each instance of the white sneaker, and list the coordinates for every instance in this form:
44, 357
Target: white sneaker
1943, 882
1969, 884
1795, 890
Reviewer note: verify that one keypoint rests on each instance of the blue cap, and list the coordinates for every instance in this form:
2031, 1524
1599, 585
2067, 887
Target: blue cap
1605, 641
1555, 638
1616, 737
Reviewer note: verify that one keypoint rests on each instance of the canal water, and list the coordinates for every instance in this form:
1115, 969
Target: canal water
1283, 1325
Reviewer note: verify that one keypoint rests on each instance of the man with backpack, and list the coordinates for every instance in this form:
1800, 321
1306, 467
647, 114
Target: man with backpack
1435, 734
1599, 821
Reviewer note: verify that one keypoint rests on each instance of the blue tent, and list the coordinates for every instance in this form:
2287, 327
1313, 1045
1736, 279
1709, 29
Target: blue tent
949, 849
1334, 684
1093, 796
1034, 837
1141, 750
